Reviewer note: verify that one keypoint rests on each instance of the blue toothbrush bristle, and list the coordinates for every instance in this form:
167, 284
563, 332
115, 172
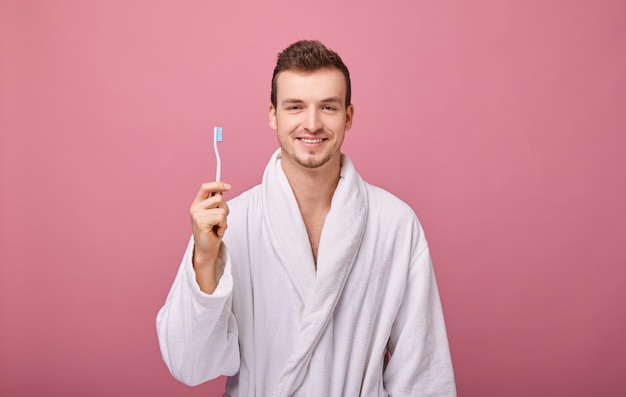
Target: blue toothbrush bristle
218, 134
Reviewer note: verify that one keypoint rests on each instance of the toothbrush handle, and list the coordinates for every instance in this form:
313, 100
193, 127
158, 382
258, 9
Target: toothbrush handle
218, 165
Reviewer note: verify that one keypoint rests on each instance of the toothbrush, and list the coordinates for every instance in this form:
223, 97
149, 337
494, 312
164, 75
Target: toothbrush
217, 137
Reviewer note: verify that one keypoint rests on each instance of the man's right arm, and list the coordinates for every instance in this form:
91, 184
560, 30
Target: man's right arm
197, 331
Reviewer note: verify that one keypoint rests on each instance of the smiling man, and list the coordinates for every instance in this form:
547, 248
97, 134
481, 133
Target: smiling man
323, 284
311, 122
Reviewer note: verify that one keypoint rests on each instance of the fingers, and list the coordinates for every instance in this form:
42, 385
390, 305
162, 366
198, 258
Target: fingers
209, 189
209, 213
207, 198
209, 203
209, 226
210, 221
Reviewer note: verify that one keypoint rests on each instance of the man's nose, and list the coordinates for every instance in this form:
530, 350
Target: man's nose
313, 121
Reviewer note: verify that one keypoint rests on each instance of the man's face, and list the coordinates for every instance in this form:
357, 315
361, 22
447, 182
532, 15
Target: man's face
310, 117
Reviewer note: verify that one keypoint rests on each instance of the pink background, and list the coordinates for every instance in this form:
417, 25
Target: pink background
501, 122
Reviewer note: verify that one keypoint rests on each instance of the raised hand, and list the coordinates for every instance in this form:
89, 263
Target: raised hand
209, 213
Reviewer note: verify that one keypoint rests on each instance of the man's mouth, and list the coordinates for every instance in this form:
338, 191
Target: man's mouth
307, 140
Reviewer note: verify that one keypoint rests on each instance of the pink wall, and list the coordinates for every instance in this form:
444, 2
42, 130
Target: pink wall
502, 123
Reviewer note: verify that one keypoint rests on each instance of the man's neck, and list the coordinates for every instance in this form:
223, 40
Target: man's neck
314, 188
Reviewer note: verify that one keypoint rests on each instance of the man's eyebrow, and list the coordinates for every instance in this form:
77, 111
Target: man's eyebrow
291, 100
334, 99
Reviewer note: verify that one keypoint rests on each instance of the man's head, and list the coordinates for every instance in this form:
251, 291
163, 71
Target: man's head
309, 56
310, 109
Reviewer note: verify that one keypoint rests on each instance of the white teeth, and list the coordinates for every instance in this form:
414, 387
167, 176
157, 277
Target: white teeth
311, 140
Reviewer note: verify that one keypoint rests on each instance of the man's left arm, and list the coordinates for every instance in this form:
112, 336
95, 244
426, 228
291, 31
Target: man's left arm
420, 363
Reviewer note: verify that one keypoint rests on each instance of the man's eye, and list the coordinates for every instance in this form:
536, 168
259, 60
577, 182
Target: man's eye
329, 108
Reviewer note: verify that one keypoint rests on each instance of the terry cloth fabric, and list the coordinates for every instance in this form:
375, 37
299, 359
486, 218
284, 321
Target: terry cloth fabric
279, 326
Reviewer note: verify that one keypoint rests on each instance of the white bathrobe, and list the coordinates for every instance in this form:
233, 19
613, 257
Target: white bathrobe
367, 321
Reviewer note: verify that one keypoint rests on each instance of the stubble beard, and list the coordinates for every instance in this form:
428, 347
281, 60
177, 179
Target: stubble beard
311, 162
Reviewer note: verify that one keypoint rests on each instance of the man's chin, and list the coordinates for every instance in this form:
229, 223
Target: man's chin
311, 161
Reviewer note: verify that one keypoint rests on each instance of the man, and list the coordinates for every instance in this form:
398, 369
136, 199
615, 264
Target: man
323, 284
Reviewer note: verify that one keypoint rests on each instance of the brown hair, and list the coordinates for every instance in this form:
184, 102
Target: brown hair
308, 56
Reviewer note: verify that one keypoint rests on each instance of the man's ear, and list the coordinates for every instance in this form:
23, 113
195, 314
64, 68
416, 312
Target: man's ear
272, 117
349, 116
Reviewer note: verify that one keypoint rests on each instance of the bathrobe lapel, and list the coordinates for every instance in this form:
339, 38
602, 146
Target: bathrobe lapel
340, 241
286, 229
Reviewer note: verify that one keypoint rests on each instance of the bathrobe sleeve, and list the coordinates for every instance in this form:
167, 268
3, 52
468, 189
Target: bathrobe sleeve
197, 332
420, 363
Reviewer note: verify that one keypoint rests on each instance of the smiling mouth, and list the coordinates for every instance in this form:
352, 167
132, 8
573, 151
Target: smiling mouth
307, 140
